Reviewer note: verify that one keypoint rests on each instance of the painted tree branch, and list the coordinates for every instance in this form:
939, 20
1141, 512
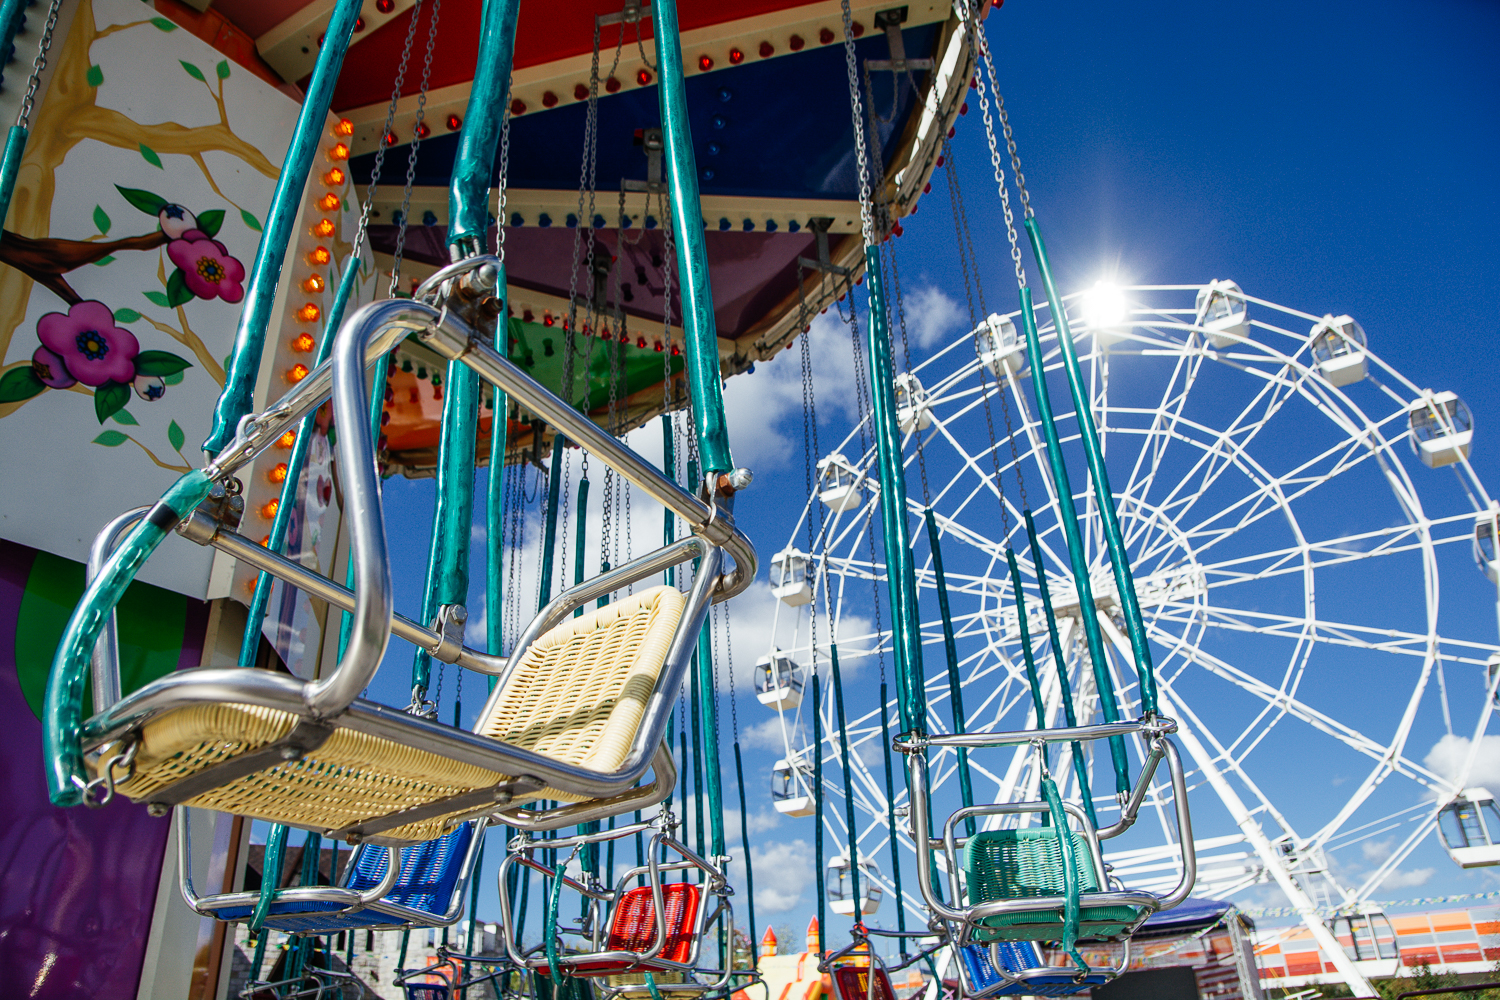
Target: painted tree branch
46, 260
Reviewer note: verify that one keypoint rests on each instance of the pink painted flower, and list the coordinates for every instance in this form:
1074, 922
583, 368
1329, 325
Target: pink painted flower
50, 369
90, 346
207, 266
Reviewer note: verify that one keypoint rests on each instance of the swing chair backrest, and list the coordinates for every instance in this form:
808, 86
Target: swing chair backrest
429, 872
633, 927
852, 982
1025, 972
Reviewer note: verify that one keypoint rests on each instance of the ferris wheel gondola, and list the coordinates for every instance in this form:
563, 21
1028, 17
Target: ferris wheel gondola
1470, 828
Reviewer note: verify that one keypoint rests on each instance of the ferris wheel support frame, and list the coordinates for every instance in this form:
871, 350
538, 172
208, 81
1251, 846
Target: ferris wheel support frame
1254, 835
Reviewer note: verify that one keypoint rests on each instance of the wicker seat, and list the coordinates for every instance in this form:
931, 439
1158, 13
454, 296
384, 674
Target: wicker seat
1027, 863
577, 696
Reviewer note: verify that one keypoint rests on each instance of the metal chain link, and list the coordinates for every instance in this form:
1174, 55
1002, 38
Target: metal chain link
501, 185
866, 216
411, 159
38, 64
734, 712
668, 269
983, 45
976, 39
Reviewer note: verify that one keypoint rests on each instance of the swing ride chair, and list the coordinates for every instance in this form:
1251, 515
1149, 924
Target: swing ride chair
312, 754
422, 885
419, 985
311, 985
655, 929
1016, 881
854, 980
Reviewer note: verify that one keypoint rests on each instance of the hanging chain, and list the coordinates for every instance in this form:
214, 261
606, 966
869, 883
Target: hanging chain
866, 217
38, 64
981, 45
411, 158
500, 189
734, 712
668, 270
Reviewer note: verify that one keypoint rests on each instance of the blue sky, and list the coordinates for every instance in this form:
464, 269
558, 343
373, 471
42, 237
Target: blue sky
1332, 157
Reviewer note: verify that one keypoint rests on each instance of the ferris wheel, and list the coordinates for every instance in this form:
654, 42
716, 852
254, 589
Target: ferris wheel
1292, 507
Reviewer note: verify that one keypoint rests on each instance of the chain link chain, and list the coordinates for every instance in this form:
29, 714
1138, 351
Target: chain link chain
411, 160
866, 216
38, 64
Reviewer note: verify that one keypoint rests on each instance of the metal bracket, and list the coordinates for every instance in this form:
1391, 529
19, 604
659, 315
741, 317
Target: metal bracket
499, 795
819, 227
890, 22
449, 624
650, 140
305, 737
632, 13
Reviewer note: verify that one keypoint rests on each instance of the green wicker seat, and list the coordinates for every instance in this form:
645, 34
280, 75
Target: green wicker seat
1027, 863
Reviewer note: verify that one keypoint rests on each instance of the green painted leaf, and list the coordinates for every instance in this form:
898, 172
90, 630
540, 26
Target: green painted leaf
95, 76
20, 383
172, 379
151, 158
175, 436
192, 71
210, 222
101, 219
111, 439
104, 260
109, 399
158, 298
125, 417
151, 204
222, 69
163, 24
178, 293
159, 363
250, 220
126, 315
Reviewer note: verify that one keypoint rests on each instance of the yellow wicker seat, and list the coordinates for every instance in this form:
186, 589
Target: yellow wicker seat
577, 695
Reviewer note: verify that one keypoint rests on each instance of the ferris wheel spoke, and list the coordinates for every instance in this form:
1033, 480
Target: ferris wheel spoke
1298, 709
1161, 432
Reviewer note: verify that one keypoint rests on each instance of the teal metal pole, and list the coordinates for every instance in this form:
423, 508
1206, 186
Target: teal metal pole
890, 812
696, 698
237, 399
1089, 433
901, 577
739, 777
474, 162
712, 779
549, 529
698, 325
669, 466
10, 166
1068, 516
817, 790
11, 15
294, 465
494, 509
270, 878
581, 536
849, 818
1065, 687
950, 647
1023, 627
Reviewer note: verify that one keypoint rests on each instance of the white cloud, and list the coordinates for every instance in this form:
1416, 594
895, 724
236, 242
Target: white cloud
783, 871
1449, 754
932, 315
1377, 850
766, 736
1400, 879
757, 405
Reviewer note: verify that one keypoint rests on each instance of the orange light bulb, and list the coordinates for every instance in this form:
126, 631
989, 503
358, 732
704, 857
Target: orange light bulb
296, 373
313, 284
277, 474
344, 127
330, 202
334, 177
287, 440
323, 228
270, 508
265, 542
319, 256
303, 343
309, 313
339, 152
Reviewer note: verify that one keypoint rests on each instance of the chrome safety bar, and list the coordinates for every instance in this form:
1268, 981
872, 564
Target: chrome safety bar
106, 662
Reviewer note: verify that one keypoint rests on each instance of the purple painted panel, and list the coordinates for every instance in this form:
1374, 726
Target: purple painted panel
77, 886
